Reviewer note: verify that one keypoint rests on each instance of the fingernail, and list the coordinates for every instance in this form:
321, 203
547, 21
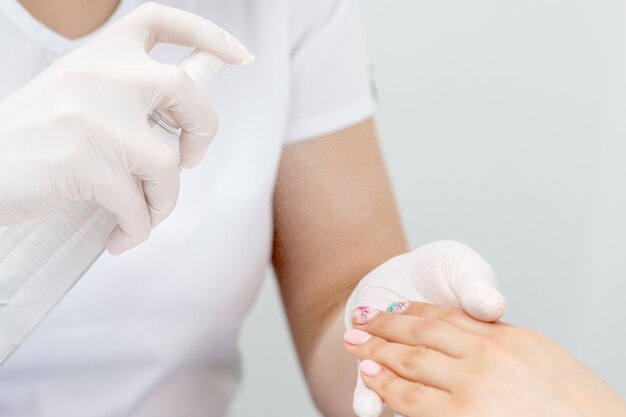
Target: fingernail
363, 314
356, 337
370, 368
244, 55
398, 308
247, 60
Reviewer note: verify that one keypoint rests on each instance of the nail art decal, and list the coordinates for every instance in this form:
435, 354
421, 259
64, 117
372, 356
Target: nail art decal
363, 314
398, 308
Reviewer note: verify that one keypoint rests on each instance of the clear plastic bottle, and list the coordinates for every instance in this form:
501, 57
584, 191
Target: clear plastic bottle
41, 260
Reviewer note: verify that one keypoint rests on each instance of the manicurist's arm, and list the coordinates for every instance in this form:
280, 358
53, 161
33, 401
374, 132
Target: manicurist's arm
335, 221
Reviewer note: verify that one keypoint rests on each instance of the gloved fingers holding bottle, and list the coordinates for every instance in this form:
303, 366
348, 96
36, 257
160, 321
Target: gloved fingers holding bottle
79, 130
445, 273
152, 23
186, 102
152, 188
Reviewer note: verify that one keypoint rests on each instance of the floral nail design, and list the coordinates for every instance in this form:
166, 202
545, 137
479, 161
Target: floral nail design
363, 314
398, 308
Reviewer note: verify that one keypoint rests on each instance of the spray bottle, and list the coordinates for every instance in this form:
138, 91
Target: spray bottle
42, 259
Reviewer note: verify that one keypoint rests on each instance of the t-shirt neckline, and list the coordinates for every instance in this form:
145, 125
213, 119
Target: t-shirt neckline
46, 37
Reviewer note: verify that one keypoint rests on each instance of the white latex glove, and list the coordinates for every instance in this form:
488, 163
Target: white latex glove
79, 130
446, 273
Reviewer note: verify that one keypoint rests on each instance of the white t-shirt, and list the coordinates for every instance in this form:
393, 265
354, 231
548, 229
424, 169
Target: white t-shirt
153, 332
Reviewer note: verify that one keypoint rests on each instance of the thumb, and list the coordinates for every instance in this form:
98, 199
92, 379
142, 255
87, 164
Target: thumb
483, 302
476, 287
366, 403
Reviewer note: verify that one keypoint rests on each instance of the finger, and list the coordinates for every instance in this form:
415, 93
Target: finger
162, 24
405, 397
177, 98
365, 402
156, 165
191, 111
414, 363
453, 316
482, 301
129, 205
114, 188
415, 331
476, 286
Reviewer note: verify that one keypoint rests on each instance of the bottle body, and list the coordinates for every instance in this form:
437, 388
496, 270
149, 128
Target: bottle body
41, 260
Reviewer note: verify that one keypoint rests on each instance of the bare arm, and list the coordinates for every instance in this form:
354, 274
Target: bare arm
335, 220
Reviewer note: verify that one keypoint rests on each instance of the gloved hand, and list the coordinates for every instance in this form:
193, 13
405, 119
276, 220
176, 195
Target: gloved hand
79, 130
446, 273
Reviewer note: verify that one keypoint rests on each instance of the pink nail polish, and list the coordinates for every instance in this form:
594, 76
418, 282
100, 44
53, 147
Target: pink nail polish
363, 314
399, 307
370, 368
356, 337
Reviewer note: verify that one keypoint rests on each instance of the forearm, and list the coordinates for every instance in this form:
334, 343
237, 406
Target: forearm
335, 221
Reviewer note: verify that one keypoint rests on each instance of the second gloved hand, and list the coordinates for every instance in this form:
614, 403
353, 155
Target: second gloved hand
79, 130
446, 273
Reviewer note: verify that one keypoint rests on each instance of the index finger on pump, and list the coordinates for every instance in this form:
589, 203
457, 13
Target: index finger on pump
162, 24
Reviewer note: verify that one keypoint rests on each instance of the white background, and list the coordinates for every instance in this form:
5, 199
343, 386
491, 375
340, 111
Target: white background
501, 123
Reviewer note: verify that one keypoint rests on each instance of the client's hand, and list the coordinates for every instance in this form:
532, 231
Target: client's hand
445, 273
428, 361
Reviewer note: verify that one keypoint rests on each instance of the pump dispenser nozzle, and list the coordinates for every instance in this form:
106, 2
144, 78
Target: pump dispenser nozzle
201, 67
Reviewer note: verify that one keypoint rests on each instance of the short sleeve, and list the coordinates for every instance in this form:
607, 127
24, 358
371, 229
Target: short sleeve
330, 86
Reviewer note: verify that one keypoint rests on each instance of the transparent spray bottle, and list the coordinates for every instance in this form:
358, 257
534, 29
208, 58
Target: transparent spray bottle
41, 260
